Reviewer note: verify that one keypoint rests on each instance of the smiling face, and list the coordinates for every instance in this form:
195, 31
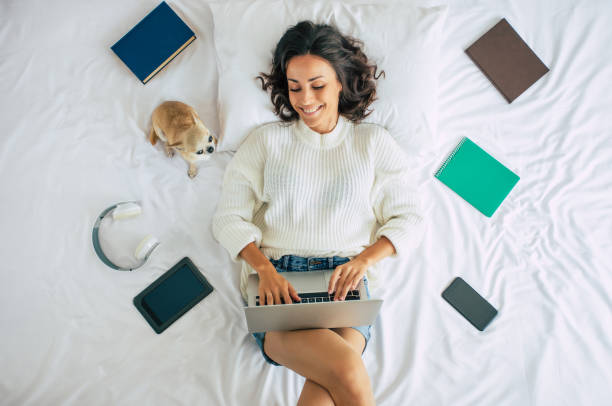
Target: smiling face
314, 91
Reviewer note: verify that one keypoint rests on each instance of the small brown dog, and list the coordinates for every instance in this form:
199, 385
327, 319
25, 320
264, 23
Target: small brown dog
179, 126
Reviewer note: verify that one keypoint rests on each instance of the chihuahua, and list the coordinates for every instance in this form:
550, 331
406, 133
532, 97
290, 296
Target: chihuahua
179, 126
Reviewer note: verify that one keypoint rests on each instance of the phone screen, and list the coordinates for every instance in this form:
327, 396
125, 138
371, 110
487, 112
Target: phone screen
469, 303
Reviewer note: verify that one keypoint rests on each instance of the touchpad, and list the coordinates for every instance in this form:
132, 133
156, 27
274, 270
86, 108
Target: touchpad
306, 281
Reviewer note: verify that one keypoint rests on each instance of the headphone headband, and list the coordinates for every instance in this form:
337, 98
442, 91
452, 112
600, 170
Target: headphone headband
151, 243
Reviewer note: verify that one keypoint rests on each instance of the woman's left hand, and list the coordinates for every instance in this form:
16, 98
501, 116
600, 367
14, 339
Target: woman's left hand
346, 277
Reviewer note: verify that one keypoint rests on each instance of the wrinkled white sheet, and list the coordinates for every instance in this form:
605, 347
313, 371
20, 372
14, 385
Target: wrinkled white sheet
73, 123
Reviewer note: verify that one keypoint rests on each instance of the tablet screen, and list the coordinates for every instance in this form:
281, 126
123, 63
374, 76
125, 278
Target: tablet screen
172, 295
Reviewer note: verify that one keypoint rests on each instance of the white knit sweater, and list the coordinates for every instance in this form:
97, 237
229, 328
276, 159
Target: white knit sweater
294, 191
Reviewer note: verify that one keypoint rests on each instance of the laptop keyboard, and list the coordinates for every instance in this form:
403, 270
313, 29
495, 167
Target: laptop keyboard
318, 297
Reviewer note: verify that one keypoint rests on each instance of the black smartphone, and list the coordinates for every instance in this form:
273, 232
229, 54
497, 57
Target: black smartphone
172, 295
469, 303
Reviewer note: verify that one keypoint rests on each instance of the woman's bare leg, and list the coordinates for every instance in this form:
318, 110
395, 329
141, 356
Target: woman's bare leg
315, 394
326, 358
352, 337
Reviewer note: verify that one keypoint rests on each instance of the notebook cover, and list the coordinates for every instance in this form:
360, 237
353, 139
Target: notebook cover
153, 42
506, 60
477, 177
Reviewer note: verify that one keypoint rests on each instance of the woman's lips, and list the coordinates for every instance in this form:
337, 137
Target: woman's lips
313, 112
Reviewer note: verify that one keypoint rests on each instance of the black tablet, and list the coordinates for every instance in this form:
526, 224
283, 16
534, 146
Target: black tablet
172, 294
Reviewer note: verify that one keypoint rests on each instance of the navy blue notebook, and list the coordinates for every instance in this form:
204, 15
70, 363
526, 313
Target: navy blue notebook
153, 42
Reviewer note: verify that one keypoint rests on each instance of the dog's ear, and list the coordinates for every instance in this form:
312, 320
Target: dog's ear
195, 117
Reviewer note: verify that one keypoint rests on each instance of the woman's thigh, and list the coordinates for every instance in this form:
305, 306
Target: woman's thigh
353, 337
316, 354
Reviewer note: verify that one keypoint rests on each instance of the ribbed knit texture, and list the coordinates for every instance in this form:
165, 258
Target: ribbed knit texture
294, 191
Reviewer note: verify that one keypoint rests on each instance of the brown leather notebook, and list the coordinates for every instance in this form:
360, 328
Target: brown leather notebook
508, 62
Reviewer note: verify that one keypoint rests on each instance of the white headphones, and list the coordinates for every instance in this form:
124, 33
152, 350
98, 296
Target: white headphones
121, 211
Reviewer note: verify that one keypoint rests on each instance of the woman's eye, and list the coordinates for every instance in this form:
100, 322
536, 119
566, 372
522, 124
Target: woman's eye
314, 87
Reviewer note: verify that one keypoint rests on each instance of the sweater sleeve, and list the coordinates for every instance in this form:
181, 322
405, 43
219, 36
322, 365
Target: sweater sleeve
241, 198
394, 195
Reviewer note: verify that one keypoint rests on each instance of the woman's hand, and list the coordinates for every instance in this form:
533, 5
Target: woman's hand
346, 277
273, 287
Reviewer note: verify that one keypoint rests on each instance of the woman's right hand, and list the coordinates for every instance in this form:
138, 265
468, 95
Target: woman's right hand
273, 287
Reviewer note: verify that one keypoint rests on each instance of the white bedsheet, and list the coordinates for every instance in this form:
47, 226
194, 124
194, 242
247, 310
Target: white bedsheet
73, 123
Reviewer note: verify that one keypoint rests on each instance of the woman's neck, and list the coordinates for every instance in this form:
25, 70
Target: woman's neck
328, 127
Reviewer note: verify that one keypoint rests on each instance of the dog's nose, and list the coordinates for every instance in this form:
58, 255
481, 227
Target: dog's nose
210, 150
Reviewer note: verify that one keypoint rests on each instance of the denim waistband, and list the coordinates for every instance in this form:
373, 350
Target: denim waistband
293, 263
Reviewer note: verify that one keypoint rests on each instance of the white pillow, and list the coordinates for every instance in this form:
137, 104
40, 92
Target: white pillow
402, 39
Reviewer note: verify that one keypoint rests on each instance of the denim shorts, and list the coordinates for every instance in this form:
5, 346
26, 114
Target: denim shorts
292, 263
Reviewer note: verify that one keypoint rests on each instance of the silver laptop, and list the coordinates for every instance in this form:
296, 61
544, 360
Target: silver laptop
316, 310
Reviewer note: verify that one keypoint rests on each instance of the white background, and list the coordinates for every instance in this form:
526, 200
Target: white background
73, 121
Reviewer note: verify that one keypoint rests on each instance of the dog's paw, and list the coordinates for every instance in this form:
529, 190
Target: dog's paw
169, 152
192, 172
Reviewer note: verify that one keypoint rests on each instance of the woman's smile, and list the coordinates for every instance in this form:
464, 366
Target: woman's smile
311, 111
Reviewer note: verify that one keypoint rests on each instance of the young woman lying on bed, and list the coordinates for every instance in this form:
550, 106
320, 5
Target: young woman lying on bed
318, 183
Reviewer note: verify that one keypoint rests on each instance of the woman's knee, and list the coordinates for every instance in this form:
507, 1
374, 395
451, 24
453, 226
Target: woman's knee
351, 376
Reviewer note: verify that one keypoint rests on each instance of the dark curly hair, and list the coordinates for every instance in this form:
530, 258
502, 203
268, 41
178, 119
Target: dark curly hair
344, 53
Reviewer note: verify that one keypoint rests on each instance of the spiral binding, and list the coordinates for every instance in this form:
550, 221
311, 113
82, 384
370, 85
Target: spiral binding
452, 154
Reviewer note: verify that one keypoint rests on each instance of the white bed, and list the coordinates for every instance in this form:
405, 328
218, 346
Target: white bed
73, 122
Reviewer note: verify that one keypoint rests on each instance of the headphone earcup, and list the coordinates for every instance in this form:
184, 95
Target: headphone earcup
126, 210
146, 246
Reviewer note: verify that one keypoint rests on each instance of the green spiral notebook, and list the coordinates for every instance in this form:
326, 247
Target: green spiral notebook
477, 177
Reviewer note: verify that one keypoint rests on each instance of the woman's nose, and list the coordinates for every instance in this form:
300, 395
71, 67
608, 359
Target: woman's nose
307, 97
